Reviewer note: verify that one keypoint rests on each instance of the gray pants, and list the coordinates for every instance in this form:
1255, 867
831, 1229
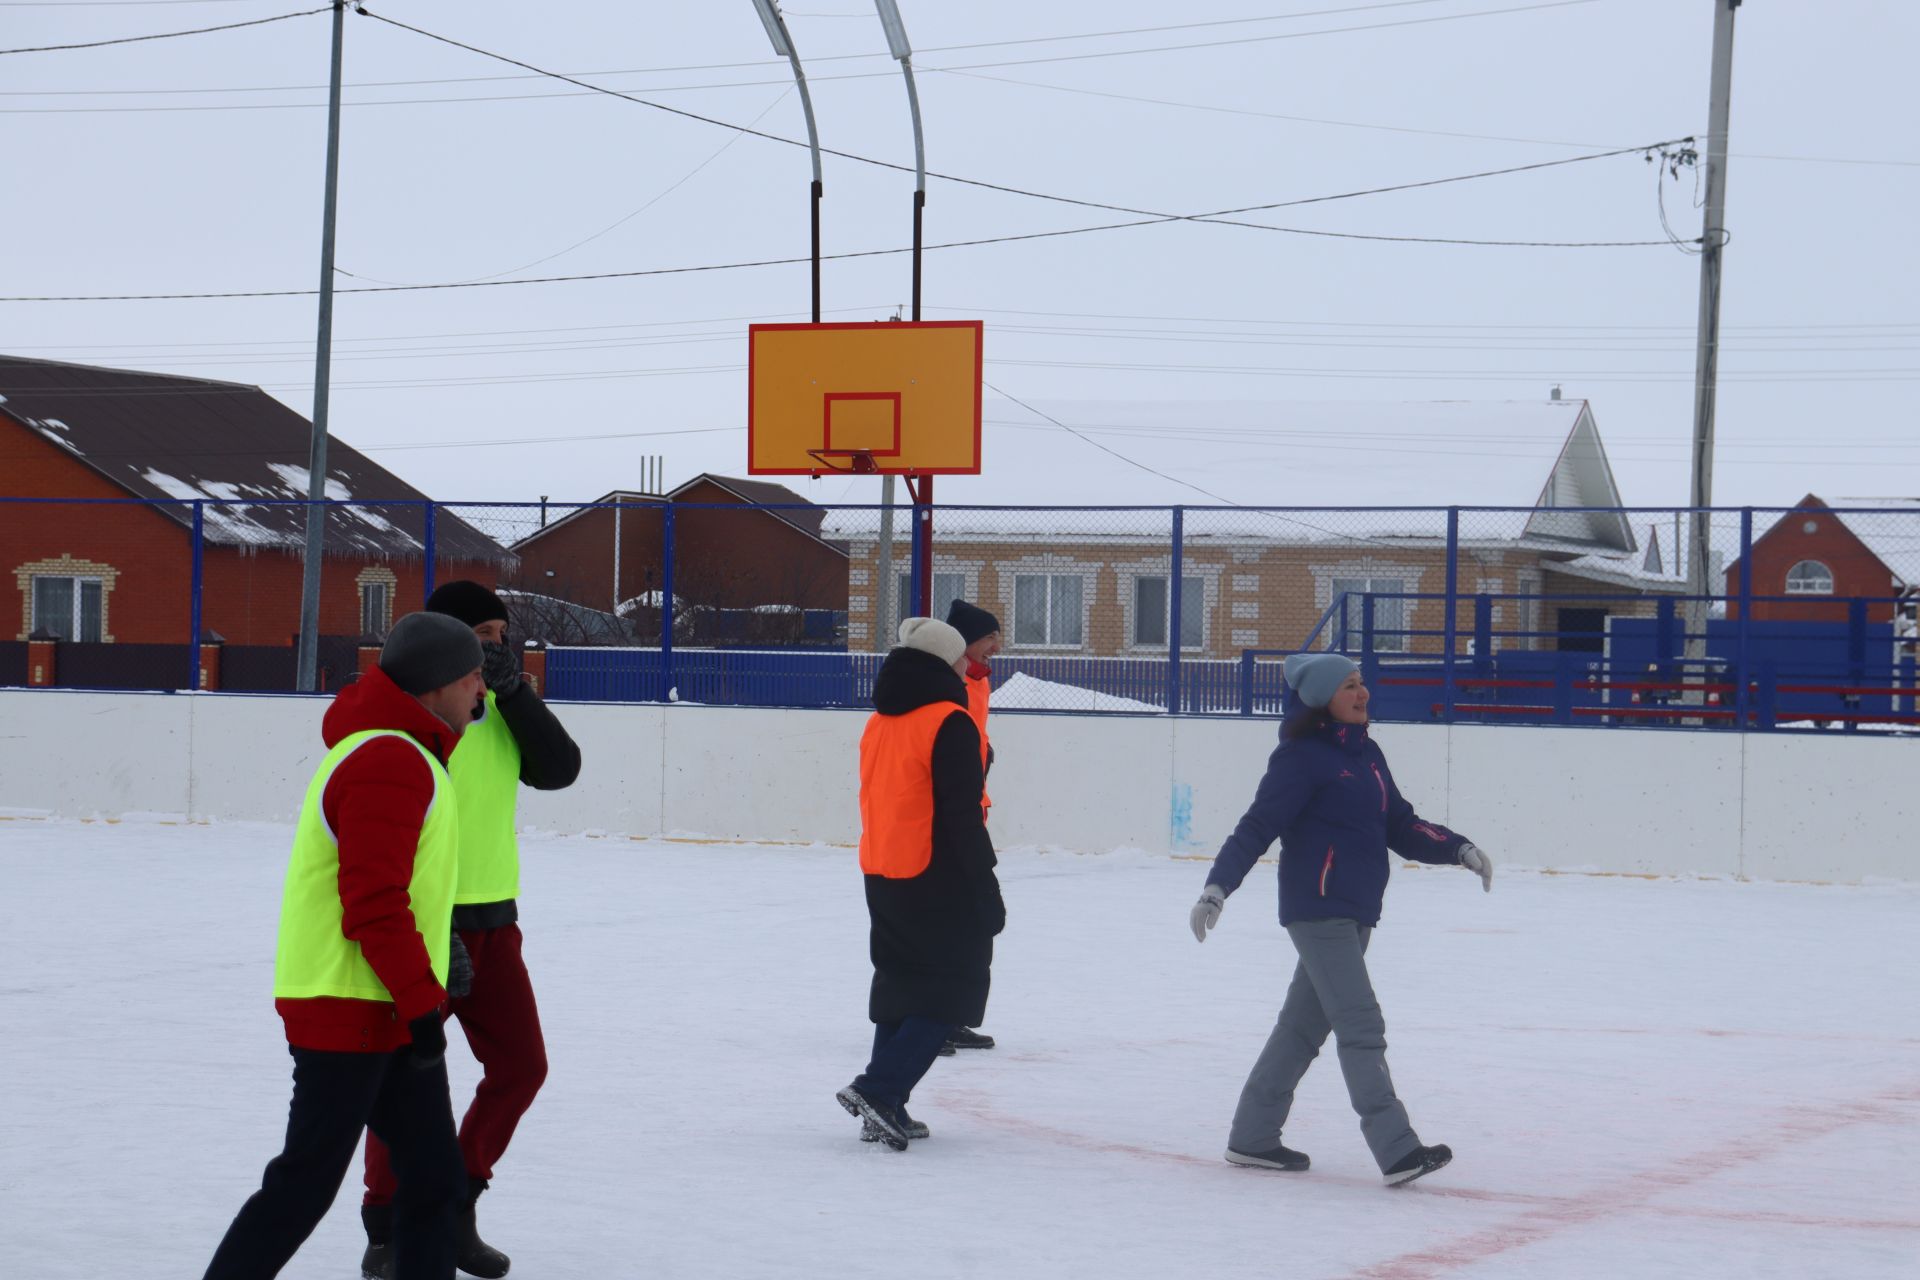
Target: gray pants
1330, 992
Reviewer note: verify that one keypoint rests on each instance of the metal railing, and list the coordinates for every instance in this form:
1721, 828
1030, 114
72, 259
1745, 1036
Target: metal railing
1500, 615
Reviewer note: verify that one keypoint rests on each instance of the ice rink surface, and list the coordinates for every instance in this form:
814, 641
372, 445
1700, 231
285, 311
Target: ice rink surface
1639, 1078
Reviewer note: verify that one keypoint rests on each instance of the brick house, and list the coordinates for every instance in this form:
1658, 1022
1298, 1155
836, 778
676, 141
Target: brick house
115, 572
1096, 583
1814, 553
750, 562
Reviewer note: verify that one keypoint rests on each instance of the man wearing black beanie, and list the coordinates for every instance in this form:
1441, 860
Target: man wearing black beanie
981, 631
514, 739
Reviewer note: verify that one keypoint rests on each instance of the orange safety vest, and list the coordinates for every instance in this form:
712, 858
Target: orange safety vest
978, 691
896, 791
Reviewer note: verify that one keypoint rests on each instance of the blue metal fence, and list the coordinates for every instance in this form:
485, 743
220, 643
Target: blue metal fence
1635, 651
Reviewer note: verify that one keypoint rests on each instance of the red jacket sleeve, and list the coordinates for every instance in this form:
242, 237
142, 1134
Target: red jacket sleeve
376, 803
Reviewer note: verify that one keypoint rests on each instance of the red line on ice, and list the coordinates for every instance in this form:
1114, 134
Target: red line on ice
1797, 1125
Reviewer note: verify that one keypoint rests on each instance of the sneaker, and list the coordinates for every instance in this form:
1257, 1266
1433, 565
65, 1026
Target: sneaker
1418, 1163
914, 1129
1278, 1157
377, 1262
472, 1254
967, 1038
885, 1123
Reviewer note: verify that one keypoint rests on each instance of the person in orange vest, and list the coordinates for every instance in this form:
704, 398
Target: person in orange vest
932, 897
981, 631
364, 959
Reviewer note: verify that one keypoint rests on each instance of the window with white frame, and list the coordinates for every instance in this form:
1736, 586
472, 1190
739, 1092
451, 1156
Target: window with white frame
1389, 612
1047, 610
947, 587
1152, 609
70, 608
1809, 578
376, 608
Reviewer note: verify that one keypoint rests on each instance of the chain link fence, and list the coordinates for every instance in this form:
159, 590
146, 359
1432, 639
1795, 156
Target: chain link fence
1794, 617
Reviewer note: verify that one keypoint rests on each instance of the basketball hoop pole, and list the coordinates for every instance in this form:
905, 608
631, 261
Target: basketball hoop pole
902, 51
776, 26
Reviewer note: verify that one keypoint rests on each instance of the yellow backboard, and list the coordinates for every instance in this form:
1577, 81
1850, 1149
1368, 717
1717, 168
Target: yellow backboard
834, 397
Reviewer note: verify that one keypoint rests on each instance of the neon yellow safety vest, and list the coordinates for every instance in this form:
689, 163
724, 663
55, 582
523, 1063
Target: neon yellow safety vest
314, 957
486, 776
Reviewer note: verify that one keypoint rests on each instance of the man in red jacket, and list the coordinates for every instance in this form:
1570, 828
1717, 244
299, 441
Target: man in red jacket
363, 958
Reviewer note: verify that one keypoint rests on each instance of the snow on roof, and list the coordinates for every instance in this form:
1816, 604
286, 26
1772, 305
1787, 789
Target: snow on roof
1384, 458
161, 436
1270, 453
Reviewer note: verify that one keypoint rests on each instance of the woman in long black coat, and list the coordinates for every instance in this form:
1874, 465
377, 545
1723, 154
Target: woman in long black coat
934, 903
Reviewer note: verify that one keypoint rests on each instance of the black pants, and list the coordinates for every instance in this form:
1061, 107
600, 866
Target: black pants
903, 1053
335, 1097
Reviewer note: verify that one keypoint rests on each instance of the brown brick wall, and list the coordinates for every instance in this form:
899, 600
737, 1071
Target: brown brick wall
722, 558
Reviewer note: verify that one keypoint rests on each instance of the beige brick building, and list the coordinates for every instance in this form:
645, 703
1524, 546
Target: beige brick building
1096, 583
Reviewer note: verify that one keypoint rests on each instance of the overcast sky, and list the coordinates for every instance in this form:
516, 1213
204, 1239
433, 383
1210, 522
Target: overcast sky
194, 165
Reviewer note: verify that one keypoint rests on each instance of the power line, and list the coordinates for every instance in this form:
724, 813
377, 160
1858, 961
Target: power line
1150, 218
170, 35
734, 66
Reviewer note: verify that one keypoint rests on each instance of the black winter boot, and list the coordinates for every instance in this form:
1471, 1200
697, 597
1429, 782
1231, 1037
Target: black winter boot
377, 1262
914, 1129
472, 1254
1279, 1157
1418, 1163
968, 1038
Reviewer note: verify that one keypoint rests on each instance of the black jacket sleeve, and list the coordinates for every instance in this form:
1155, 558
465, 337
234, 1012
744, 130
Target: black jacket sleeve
549, 758
959, 783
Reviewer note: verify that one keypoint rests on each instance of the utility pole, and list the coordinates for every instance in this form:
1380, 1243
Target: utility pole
1713, 239
308, 658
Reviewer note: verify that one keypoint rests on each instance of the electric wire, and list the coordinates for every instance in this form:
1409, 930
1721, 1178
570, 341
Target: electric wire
169, 35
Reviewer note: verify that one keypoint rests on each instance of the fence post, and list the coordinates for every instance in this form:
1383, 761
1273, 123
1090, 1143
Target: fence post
917, 604
1482, 631
198, 593
1246, 682
1856, 657
1173, 610
1742, 653
1369, 664
1453, 598
666, 601
429, 552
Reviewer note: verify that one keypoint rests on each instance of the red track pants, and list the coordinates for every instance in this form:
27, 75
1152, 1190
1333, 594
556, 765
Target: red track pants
503, 1029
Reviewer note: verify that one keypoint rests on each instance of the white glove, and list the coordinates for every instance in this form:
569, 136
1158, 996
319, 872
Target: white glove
1479, 863
1206, 912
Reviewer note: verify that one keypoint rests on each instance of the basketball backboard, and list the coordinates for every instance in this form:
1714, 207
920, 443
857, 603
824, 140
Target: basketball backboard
886, 398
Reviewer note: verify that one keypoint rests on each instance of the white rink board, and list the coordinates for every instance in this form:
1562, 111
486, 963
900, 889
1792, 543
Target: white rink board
1786, 807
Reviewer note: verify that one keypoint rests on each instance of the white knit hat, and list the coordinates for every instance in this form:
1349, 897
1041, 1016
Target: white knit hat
930, 635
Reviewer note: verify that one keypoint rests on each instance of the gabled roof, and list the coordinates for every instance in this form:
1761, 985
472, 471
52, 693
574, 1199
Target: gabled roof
1895, 538
805, 517
1396, 466
163, 436
802, 515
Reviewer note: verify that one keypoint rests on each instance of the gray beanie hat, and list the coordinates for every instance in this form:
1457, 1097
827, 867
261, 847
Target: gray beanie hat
428, 651
1316, 677
930, 635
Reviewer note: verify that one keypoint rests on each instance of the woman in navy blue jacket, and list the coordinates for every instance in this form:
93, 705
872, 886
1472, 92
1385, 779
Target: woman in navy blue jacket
1329, 798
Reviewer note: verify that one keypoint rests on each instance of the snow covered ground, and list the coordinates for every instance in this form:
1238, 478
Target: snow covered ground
1639, 1078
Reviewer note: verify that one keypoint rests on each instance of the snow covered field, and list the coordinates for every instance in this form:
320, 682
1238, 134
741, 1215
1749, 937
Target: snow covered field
1639, 1078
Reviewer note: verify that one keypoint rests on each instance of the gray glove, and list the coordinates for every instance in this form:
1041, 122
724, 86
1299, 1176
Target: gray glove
459, 968
1479, 863
500, 668
1206, 912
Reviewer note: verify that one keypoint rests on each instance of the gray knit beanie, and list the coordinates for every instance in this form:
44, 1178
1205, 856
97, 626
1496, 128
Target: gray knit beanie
1316, 677
428, 651
930, 635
